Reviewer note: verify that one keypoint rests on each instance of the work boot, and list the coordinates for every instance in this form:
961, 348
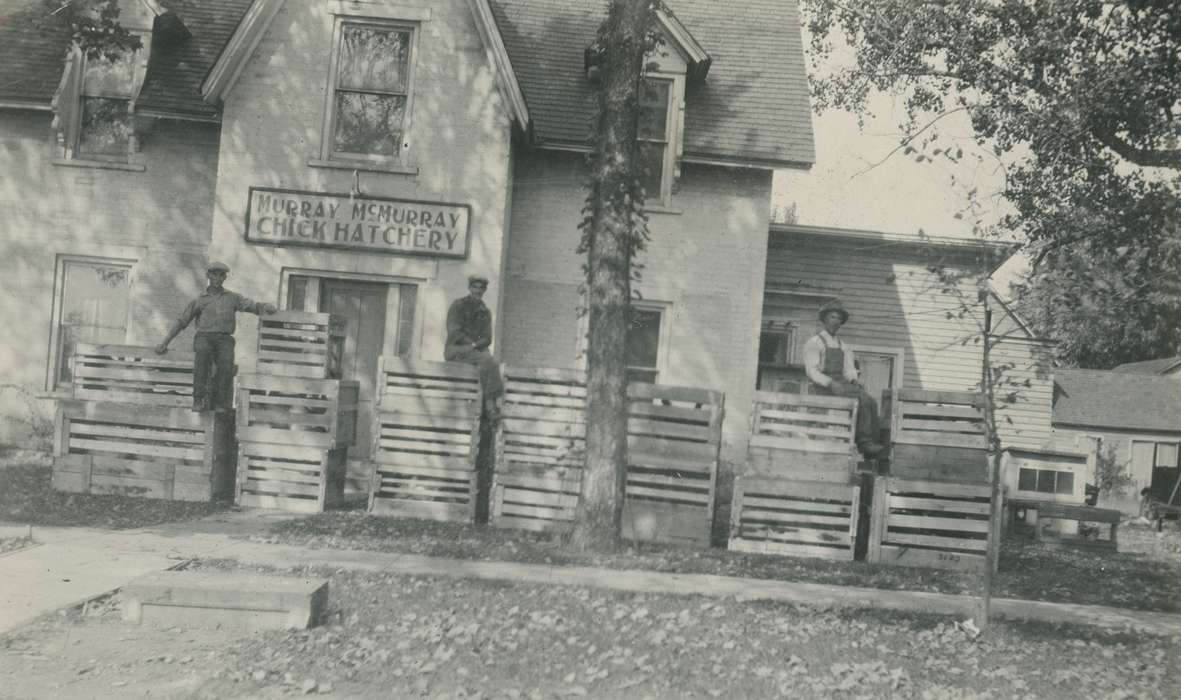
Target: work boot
872, 450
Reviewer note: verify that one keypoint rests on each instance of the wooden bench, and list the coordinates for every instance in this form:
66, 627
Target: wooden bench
1081, 514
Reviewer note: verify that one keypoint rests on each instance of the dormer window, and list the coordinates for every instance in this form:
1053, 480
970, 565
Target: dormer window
105, 127
656, 135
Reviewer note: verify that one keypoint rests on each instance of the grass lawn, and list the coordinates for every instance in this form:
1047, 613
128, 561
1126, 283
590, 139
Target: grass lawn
27, 498
1138, 580
411, 636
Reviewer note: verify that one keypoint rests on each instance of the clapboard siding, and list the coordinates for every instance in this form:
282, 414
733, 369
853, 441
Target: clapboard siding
896, 302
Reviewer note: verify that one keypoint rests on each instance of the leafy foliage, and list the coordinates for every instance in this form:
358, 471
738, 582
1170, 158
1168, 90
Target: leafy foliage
1080, 101
93, 25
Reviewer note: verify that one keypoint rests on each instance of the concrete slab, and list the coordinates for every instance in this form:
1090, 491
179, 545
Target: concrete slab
197, 599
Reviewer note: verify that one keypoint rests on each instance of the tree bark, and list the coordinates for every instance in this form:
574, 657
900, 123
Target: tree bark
610, 239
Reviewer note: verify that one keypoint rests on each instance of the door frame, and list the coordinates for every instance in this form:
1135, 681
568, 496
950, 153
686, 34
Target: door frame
390, 345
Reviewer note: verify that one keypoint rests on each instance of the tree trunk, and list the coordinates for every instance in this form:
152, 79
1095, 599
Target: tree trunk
612, 232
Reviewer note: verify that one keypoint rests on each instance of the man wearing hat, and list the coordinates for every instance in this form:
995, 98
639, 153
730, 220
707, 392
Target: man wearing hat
469, 335
832, 370
214, 311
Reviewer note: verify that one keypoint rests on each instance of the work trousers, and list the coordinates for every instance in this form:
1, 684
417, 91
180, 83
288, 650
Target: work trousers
213, 371
484, 362
868, 429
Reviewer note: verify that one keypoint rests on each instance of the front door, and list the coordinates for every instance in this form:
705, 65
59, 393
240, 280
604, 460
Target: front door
363, 304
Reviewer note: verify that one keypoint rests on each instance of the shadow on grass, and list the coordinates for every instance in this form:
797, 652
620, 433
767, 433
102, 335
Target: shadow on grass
27, 498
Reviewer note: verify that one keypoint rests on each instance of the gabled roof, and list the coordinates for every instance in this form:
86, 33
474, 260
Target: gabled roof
32, 57
1162, 366
988, 254
1106, 399
753, 107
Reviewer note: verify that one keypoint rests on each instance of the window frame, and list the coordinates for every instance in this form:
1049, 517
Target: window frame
662, 333
673, 144
328, 153
53, 382
68, 150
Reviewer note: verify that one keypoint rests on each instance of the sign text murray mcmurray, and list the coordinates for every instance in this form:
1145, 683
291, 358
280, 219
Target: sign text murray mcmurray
320, 220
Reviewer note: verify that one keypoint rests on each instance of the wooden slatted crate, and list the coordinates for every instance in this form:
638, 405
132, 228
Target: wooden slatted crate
151, 451
796, 518
937, 524
131, 374
427, 439
803, 437
289, 477
300, 344
540, 449
295, 411
937, 435
674, 438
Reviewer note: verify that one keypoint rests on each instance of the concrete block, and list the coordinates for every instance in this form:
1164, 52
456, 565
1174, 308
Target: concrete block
248, 601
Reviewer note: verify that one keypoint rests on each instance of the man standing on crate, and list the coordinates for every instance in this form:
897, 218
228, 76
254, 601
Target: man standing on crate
831, 370
214, 311
469, 335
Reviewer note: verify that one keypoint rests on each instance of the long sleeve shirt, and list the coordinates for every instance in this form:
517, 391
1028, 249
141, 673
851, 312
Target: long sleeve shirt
214, 312
469, 321
814, 359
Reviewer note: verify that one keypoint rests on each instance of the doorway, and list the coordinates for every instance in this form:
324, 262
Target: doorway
363, 305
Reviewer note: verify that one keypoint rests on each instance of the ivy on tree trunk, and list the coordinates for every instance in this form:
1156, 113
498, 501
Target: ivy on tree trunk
613, 229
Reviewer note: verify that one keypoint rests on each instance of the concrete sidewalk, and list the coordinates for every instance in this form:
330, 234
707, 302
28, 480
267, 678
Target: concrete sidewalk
74, 565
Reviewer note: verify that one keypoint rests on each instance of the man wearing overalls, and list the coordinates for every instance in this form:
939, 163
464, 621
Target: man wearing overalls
831, 370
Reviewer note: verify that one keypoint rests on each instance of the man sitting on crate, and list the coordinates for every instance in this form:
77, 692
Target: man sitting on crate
831, 370
469, 335
214, 311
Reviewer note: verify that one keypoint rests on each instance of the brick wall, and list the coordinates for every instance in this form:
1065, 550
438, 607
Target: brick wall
459, 134
159, 218
705, 264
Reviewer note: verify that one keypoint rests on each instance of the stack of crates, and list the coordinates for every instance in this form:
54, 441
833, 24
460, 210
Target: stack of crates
296, 416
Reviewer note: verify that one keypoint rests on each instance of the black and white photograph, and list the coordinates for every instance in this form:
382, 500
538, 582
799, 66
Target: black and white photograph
550, 349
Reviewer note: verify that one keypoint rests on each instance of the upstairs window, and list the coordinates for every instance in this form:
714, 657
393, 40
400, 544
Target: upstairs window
105, 125
370, 92
657, 135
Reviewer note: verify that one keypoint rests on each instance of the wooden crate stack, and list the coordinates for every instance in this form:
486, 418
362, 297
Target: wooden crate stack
540, 449
936, 524
296, 418
937, 435
128, 428
934, 508
674, 436
798, 494
427, 438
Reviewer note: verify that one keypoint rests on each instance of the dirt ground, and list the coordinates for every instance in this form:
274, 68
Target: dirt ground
389, 636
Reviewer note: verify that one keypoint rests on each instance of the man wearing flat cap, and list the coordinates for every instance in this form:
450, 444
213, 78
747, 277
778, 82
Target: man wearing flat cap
215, 313
831, 370
469, 335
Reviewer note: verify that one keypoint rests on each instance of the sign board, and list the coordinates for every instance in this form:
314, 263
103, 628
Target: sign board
360, 223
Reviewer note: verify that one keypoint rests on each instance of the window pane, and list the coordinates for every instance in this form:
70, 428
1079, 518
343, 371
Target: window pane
643, 338
370, 124
106, 127
1166, 455
94, 308
406, 318
1065, 483
1027, 480
654, 109
1045, 481
113, 78
297, 293
653, 157
373, 59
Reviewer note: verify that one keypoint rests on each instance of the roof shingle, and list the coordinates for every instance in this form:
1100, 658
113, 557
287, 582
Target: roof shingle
1105, 399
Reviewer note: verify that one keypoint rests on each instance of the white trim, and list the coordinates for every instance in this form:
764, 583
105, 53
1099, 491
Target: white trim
899, 355
229, 65
498, 55
178, 116
693, 51
376, 10
31, 106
